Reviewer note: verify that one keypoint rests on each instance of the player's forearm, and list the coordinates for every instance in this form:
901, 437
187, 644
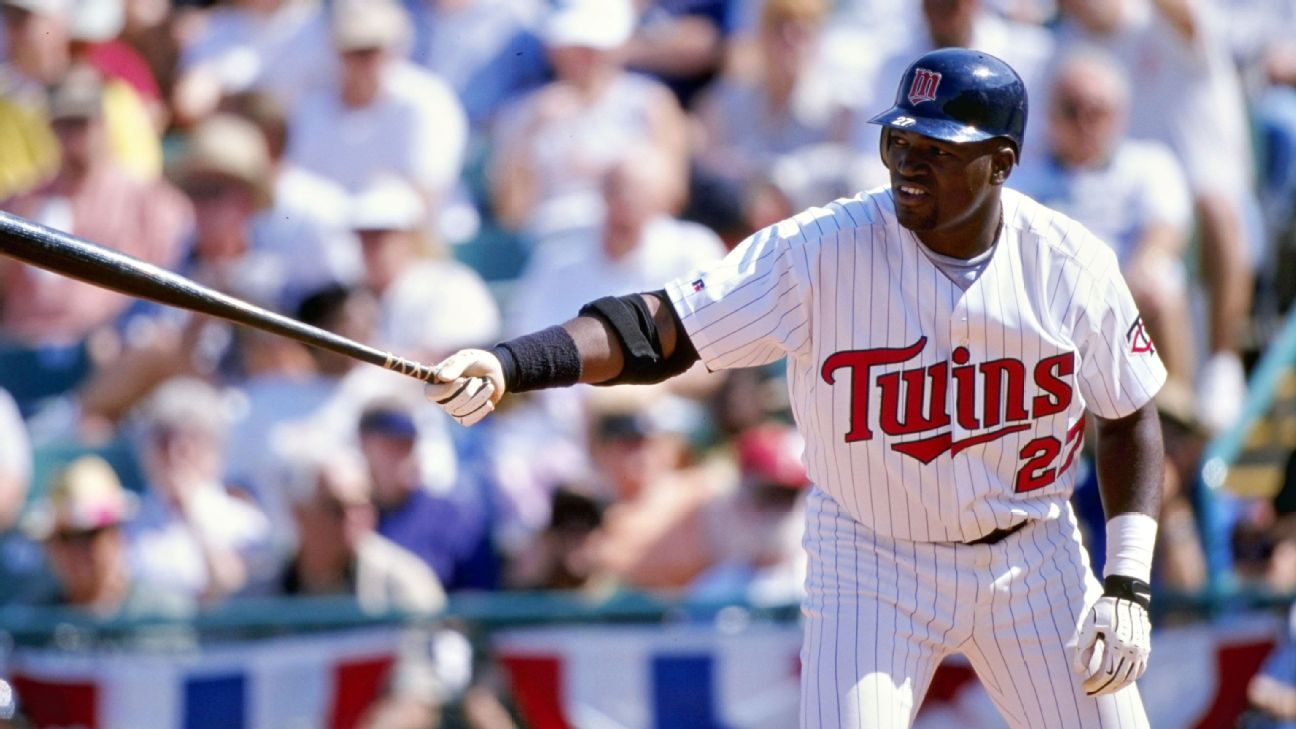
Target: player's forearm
628, 339
1130, 461
597, 347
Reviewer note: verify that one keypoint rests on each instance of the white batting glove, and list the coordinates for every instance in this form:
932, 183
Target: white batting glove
467, 385
1115, 637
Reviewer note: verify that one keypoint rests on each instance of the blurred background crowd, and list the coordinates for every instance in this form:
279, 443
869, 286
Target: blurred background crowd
425, 175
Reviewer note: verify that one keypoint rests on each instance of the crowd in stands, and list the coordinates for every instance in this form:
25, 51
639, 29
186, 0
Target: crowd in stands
426, 175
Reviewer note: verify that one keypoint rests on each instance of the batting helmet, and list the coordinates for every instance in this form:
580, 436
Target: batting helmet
959, 95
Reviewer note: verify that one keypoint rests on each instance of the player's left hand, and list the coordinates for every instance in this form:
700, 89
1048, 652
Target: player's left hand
1115, 637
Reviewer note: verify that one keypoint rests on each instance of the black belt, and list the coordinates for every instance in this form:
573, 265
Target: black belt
999, 535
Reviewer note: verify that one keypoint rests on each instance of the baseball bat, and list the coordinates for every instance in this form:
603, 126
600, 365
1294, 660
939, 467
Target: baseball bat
66, 254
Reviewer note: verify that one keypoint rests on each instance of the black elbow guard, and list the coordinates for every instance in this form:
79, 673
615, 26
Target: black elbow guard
631, 320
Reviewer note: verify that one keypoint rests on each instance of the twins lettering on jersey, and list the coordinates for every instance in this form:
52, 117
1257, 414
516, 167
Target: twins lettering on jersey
1006, 406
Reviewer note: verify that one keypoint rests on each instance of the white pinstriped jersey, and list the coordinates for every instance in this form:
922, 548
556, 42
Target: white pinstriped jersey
931, 413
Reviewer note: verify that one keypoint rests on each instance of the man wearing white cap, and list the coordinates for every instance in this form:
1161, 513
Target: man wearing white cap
554, 146
431, 304
383, 115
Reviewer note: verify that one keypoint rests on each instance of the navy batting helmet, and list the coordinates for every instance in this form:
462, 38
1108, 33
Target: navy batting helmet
959, 95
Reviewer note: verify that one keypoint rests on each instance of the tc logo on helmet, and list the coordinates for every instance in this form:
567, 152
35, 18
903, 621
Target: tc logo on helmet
924, 86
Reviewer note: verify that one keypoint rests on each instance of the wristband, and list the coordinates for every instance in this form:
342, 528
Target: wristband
1131, 538
547, 358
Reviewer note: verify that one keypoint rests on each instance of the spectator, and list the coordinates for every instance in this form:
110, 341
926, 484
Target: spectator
1131, 193
298, 193
431, 304
748, 122
40, 53
95, 33
192, 534
80, 522
717, 531
487, 50
28, 148
92, 196
642, 458
554, 147
638, 246
681, 43
340, 553
382, 114
751, 534
282, 383
449, 532
552, 559
1189, 98
243, 242
240, 244
276, 46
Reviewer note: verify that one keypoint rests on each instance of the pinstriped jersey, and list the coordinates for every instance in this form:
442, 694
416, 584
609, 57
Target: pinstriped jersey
931, 413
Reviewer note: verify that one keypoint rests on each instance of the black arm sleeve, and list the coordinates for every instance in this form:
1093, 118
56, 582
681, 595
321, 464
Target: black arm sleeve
630, 319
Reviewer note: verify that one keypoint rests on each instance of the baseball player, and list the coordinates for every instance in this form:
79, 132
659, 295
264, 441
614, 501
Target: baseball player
946, 341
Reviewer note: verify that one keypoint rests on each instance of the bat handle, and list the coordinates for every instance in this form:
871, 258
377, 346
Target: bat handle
408, 367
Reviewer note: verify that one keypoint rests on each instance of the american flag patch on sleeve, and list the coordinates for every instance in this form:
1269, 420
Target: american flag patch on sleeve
698, 285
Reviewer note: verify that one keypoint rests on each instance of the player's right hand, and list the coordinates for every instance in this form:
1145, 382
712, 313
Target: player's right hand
1115, 637
467, 385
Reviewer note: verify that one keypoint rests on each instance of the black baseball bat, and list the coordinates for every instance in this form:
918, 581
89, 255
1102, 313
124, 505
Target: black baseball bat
66, 254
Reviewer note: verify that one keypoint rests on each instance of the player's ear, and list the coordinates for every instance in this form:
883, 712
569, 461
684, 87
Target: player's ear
1002, 161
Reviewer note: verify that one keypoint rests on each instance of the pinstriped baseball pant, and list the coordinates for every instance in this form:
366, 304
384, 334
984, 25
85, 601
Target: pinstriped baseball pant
880, 615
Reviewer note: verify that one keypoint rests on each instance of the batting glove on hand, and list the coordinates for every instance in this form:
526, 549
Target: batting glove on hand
467, 385
1115, 637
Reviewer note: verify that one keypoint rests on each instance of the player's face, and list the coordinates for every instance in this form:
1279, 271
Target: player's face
941, 186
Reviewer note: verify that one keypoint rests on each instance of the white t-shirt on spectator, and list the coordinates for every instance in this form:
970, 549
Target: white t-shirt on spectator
1141, 185
437, 307
566, 273
164, 550
416, 128
286, 53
